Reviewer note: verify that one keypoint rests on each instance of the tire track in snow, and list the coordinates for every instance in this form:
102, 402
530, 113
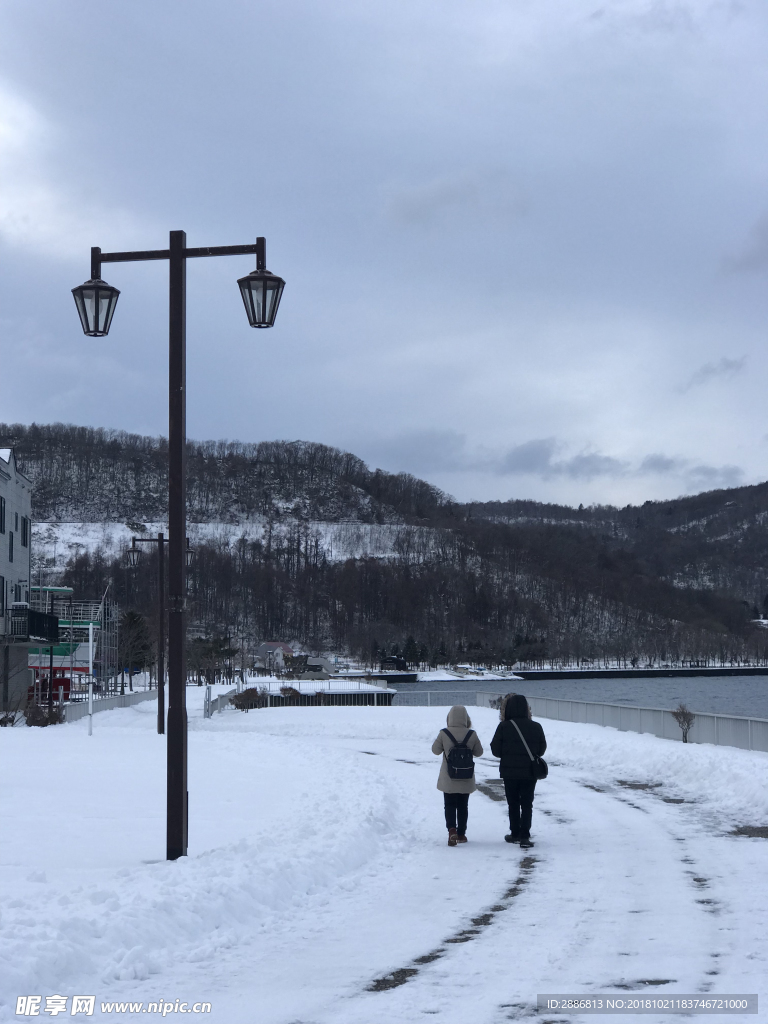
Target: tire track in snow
404, 974
619, 915
400, 976
617, 978
616, 902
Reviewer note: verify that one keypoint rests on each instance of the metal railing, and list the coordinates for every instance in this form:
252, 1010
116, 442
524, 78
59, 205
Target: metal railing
74, 712
722, 730
334, 683
28, 624
212, 705
433, 698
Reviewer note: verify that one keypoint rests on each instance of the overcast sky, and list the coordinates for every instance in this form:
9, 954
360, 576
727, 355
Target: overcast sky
525, 242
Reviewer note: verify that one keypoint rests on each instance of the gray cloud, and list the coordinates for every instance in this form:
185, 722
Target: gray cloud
724, 367
753, 255
703, 477
661, 464
693, 475
488, 228
538, 459
484, 193
447, 454
423, 204
420, 451
530, 457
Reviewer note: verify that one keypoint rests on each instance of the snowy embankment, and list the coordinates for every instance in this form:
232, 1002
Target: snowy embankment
318, 866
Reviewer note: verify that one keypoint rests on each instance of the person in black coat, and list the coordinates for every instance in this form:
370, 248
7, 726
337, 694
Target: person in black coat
515, 767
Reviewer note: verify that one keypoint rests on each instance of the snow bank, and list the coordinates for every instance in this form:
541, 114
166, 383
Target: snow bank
729, 783
129, 919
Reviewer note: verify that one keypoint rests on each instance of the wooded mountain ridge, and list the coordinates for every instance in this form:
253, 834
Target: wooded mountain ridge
688, 574
86, 474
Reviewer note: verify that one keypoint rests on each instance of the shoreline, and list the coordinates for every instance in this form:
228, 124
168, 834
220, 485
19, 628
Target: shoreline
638, 673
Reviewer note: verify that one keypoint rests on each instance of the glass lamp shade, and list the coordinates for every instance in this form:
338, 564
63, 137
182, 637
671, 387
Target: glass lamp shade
261, 293
134, 554
95, 301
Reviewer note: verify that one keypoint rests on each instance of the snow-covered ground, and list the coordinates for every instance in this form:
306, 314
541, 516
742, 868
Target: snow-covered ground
318, 866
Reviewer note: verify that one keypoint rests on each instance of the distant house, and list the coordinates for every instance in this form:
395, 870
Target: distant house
304, 666
321, 665
271, 656
276, 656
393, 664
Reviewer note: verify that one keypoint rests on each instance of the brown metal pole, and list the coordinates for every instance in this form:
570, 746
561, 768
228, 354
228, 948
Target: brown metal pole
6, 675
50, 685
176, 835
161, 634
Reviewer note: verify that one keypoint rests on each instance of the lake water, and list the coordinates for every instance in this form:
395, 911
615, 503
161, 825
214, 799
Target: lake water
746, 696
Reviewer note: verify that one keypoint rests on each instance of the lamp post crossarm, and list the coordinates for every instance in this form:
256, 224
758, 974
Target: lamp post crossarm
98, 257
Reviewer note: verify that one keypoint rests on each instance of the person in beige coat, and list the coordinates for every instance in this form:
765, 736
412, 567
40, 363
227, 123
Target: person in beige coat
456, 791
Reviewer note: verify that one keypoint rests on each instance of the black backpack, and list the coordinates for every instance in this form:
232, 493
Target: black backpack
460, 762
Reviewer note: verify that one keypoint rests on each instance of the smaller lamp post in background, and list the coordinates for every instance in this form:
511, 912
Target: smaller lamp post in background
134, 554
133, 560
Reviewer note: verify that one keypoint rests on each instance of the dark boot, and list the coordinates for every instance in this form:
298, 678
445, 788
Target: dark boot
512, 838
453, 837
526, 843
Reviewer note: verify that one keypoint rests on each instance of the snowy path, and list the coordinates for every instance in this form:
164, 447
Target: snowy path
319, 887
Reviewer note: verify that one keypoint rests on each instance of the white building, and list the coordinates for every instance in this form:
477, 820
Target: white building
15, 552
15, 530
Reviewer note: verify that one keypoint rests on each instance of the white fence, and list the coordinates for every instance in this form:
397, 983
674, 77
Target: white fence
432, 698
335, 684
211, 705
723, 730
74, 712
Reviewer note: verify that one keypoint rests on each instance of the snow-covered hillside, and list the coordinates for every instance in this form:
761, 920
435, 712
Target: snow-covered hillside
319, 885
56, 543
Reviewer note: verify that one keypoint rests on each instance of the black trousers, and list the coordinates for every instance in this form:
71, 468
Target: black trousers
456, 811
520, 802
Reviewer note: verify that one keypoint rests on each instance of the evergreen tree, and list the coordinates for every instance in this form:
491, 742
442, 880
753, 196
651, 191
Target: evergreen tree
411, 652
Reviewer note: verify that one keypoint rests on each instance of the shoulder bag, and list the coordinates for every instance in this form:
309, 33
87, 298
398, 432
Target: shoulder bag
539, 767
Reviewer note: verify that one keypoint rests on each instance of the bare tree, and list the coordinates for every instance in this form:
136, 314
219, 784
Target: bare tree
684, 719
14, 715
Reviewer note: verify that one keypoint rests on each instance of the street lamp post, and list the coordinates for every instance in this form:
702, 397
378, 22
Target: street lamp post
96, 300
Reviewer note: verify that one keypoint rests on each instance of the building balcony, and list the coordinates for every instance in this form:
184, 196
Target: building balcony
23, 624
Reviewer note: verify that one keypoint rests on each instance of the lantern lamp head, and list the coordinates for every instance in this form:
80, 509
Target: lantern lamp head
96, 301
134, 554
261, 291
